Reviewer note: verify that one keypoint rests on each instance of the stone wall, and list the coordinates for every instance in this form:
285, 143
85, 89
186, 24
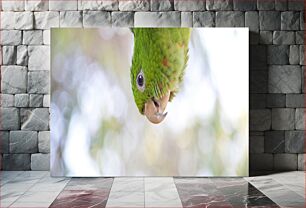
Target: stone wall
276, 68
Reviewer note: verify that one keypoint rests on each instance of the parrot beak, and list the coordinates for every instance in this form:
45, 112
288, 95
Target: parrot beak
154, 109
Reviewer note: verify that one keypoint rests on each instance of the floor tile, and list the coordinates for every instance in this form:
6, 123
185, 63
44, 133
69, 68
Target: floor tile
200, 192
22, 204
38, 196
125, 200
128, 184
163, 198
90, 184
295, 181
55, 184
81, 198
277, 192
153, 184
29, 177
38, 189
161, 192
7, 176
7, 200
10, 187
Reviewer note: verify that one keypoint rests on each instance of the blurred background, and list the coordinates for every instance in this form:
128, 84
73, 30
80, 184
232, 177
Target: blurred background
96, 129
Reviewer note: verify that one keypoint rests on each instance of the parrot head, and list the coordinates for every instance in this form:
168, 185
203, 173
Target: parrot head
151, 96
159, 59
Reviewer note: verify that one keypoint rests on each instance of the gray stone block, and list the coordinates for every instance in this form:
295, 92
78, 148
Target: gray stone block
36, 100
269, 20
7, 22
10, 37
9, 55
96, 19
256, 144
134, 5
285, 162
257, 101
246, 5
195, 5
36, 5
6, 100
46, 37
265, 37
33, 37
16, 161
283, 118
229, 19
259, 81
294, 54
46, 101
40, 161
38, 82
302, 56
283, 37
301, 162
295, 100
300, 119
98, 5
22, 55
297, 5
290, 20
219, 5
35, 120
281, 5
276, 100
39, 58
62, 5
10, 119
302, 20
294, 141
123, 19
260, 120
24, 20
44, 142
13, 79
261, 161
186, 19
157, 19
203, 19
303, 79
12, 5
23, 142
71, 19
21, 100
278, 54
256, 133
162, 5
4, 141
299, 37
265, 5
46, 20
251, 21
275, 142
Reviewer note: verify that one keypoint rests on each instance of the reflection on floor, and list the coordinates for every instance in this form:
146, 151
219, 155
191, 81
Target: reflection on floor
38, 189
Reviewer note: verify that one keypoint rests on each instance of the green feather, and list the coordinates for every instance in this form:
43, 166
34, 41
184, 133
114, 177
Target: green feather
162, 54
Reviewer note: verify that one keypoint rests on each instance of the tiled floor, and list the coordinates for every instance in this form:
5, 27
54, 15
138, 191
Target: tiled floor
38, 189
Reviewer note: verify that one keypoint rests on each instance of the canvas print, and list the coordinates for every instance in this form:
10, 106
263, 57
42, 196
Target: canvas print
149, 102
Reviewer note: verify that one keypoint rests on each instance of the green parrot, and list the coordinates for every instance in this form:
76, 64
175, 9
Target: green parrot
159, 59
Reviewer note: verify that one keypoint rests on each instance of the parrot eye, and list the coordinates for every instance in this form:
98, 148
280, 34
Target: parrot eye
140, 80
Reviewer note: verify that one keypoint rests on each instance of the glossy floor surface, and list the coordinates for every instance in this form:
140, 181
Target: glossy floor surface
38, 189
